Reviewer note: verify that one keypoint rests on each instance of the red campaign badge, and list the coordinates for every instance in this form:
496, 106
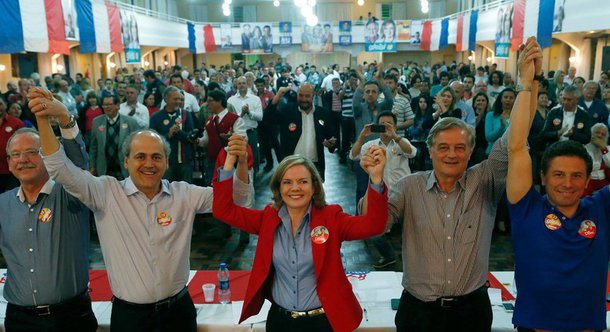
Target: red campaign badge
552, 222
44, 215
319, 235
292, 127
101, 129
587, 229
556, 122
178, 122
164, 219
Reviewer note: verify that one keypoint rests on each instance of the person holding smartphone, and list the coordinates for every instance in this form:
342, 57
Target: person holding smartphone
398, 152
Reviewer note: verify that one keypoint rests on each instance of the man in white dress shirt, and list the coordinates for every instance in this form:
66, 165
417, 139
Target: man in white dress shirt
249, 108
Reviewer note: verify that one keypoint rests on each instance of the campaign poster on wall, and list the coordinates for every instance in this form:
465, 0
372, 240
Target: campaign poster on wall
416, 28
226, 40
380, 36
317, 39
403, 31
69, 12
131, 38
558, 15
285, 33
345, 33
256, 38
503, 25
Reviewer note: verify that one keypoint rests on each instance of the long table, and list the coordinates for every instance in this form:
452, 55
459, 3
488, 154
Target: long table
374, 290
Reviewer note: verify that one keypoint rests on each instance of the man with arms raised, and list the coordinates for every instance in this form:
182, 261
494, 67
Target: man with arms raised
144, 225
560, 241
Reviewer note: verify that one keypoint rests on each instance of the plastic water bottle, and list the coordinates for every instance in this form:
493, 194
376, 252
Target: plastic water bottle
224, 292
344, 262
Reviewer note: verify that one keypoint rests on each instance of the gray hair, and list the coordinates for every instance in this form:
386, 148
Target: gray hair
126, 148
599, 125
449, 123
573, 90
169, 90
591, 82
22, 131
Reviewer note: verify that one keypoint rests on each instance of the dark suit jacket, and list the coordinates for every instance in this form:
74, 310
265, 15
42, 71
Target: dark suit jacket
554, 122
97, 150
288, 117
333, 289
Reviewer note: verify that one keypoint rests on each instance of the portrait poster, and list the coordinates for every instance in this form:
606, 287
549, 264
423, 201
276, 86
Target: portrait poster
559, 15
317, 39
285, 33
345, 33
69, 12
380, 36
403, 31
225, 36
256, 38
416, 28
504, 19
131, 38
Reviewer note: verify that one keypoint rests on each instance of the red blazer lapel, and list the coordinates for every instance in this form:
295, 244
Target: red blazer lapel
318, 251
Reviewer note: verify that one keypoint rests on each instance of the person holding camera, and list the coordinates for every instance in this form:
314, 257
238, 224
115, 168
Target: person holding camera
398, 152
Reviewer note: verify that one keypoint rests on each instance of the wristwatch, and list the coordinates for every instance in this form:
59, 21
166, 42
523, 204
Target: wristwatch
70, 123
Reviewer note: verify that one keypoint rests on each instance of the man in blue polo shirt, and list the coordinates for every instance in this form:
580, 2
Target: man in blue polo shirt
561, 242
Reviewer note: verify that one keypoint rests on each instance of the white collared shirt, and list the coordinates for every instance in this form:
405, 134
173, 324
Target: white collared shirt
190, 102
46, 189
141, 116
568, 122
306, 146
255, 113
397, 161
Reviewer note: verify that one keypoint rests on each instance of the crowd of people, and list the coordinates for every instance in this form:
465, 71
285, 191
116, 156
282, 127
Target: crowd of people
449, 149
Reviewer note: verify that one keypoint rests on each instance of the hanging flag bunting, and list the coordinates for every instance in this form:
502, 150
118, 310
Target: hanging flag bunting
99, 26
467, 31
444, 35
532, 18
435, 35
35, 26
201, 38
426, 35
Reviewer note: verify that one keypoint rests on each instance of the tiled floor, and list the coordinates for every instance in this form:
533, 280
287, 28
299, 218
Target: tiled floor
210, 247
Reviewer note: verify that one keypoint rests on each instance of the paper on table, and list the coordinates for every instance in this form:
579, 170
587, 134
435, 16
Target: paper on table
260, 317
495, 296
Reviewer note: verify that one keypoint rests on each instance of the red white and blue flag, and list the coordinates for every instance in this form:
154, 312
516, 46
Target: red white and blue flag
99, 25
33, 26
435, 35
467, 31
532, 18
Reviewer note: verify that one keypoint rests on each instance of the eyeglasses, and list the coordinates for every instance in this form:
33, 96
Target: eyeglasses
27, 153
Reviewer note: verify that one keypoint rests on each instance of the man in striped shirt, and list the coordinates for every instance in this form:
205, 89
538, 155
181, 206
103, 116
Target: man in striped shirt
401, 107
348, 126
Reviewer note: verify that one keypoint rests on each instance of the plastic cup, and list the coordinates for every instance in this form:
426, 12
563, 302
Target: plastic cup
208, 292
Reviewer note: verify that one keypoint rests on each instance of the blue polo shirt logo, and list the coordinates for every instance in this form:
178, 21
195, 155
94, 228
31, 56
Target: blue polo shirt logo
552, 222
587, 229
44, 215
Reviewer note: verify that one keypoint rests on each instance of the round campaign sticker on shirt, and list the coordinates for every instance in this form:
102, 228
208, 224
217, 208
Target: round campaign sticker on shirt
552, 222
587, 229
595, 115
44, 215
101, 129
165, 122
164, 219
580, 125
292, 127
321, 122
124, 126
556, 122
319, 235
8, 129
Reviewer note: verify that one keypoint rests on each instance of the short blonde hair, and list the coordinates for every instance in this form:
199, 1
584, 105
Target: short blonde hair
319, 197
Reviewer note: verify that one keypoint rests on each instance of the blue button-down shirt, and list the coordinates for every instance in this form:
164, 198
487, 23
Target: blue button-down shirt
294, 282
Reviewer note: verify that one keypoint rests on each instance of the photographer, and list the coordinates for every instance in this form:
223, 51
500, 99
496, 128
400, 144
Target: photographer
398, 152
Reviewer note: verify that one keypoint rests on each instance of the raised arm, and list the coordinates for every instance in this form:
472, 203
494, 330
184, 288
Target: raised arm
519, 178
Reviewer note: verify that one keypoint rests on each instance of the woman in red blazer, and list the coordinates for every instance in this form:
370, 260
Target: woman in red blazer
298, 198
